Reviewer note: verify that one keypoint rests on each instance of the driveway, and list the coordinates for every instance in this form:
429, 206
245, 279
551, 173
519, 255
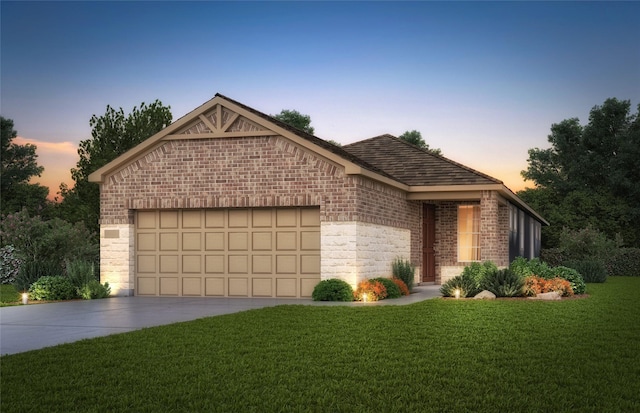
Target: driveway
35, 326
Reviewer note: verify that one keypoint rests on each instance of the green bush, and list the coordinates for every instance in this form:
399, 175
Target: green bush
528, 268
476, 271
587, 243
52, 288
393, 291
504, 283
469, 282
404, 270
56, 240
334, 289
94, 290
80, 272
592, 271
463, 282
624, 262
570, 274
31, 271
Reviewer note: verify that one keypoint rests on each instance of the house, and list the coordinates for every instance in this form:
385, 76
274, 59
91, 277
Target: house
227, 201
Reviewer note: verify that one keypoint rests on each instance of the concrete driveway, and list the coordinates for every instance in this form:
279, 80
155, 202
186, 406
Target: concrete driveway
35, 326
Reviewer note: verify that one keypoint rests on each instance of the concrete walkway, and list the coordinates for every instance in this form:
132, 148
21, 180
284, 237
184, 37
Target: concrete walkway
35, 326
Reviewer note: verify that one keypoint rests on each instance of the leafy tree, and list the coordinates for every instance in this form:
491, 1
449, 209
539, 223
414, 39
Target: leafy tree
295, 119
112, 134
414, 137
19, 164
589, 176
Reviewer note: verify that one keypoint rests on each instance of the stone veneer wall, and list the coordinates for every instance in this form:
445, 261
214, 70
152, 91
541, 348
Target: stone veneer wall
354, 251
117, 258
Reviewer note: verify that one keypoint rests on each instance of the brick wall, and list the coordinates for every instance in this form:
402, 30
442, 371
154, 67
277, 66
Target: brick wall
249, 172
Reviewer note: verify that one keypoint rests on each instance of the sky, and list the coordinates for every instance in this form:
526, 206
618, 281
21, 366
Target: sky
482, 81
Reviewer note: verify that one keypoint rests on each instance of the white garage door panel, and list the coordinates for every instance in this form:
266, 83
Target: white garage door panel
262, 252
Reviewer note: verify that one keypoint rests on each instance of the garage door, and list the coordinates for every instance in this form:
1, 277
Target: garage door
262, 252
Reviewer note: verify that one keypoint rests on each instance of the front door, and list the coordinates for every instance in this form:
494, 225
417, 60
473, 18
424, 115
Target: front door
428, 243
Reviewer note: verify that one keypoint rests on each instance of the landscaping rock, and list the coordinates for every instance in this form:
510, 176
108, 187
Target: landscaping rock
485, 294
551, 296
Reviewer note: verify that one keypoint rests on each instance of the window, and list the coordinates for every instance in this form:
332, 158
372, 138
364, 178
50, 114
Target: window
468, 233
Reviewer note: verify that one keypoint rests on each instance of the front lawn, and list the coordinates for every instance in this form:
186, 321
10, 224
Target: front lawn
438, 355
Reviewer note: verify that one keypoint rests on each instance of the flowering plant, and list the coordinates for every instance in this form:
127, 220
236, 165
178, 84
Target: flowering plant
370, 290
535, 285
401, 284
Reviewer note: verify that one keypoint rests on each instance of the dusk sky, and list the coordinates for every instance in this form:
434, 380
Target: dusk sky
482, 81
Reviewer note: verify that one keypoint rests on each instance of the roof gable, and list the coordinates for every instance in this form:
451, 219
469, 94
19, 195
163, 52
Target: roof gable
415, 166
222, 117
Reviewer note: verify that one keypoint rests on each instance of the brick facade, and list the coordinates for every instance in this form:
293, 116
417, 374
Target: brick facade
265, 171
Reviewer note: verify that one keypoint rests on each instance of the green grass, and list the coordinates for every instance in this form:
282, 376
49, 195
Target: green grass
8, 295
438, 355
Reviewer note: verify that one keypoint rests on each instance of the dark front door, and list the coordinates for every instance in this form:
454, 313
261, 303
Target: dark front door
428, 243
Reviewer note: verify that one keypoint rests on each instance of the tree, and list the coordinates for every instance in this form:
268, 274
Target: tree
112, 134
589, 176
414, 137
295, 119
19, 165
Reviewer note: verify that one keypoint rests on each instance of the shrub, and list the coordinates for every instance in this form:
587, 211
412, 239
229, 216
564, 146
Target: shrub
464, 283
52, 288
334, 289
393, 291
592, 271
402, 286
9, 264
36, 239
573, 277
94, 290
80, 272
526, 268
404, 270
370, 290
504, 283
534, 285
587, 243
31, 271
469, 281
559, 285
624, 262
477, 271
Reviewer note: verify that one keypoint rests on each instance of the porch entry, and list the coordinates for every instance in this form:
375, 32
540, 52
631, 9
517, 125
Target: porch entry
428, 243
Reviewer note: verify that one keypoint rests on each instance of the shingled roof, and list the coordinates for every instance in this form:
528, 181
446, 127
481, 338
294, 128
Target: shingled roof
415, 166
